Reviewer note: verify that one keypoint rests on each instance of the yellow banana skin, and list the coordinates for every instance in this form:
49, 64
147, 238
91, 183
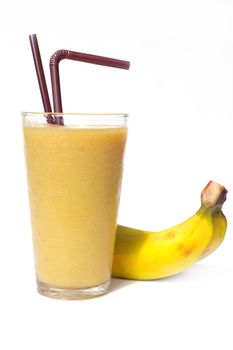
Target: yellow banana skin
143, 255
220, 227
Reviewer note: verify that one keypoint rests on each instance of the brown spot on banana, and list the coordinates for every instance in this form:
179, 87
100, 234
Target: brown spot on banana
170, 235
186, 251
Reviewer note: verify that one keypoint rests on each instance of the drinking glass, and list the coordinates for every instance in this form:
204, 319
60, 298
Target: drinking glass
74, 180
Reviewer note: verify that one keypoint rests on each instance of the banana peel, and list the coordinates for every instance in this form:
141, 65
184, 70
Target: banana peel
144, 255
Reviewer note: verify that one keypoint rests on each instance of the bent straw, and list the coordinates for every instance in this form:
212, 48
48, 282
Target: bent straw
41, 77
76, 56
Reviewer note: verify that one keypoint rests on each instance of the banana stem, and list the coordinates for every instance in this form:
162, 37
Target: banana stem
213, 195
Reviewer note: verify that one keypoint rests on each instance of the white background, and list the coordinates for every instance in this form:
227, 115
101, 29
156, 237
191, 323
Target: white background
179, 94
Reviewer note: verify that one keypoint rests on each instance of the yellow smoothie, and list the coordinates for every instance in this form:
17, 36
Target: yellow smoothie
74, 177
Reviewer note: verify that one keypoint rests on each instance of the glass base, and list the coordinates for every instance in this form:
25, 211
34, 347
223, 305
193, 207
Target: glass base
70, 293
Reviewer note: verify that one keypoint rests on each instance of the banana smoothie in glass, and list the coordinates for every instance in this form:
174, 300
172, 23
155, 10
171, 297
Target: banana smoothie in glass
74, 181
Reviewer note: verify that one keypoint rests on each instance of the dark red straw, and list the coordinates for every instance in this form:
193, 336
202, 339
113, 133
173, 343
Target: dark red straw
41, 77
76, 56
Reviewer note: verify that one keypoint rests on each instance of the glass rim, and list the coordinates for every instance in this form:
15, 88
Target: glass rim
77, 120
94, 114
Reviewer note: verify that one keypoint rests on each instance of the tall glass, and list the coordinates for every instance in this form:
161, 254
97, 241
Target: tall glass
74, 181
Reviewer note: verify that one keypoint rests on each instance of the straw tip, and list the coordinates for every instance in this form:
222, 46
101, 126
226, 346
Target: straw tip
32, 35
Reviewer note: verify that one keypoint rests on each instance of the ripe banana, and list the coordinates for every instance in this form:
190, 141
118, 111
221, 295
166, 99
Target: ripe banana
143, 255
